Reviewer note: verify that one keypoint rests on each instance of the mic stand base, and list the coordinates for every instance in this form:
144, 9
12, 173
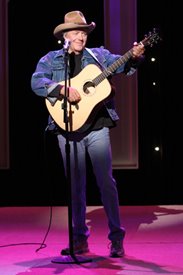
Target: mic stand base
71, 259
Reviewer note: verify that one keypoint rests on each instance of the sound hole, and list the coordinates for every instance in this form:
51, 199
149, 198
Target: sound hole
89, 88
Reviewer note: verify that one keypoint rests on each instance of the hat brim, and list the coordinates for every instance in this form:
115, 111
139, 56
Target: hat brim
60, 29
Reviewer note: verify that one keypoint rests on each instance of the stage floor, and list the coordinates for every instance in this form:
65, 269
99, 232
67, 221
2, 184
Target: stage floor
153, 243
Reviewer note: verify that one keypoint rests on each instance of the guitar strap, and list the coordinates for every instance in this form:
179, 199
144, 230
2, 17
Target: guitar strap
92, 54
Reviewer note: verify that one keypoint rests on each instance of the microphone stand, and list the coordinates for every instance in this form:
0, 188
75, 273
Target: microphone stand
71, 258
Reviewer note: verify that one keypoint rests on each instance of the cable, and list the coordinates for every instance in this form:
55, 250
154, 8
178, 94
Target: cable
16, 244
43, 245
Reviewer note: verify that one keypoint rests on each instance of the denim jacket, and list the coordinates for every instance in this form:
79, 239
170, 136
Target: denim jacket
50, 70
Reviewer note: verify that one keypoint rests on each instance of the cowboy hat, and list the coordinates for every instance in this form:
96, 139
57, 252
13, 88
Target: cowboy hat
73, 20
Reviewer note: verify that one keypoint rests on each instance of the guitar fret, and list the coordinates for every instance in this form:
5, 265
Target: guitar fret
108, 71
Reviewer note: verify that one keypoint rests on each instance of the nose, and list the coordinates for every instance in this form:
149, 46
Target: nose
81, 35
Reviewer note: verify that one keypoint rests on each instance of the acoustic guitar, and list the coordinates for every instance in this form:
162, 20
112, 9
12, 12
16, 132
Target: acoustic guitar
94, 87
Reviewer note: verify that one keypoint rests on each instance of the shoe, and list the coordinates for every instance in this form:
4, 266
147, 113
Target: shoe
116, 249
79, 247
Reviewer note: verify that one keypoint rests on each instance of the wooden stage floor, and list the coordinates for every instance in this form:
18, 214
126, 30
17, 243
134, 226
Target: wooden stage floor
153, 243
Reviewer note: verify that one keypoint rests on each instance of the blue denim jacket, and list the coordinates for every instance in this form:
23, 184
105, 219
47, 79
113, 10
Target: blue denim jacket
50, 70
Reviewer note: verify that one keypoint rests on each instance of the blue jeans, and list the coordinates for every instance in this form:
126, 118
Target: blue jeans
97, 143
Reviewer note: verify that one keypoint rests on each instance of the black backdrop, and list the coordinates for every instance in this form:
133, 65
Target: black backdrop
36, 176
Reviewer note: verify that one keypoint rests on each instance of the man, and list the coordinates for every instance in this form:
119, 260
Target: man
87, 125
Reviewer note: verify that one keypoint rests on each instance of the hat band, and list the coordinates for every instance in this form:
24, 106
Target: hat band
82, 24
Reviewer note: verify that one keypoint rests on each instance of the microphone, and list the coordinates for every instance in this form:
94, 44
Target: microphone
66, 44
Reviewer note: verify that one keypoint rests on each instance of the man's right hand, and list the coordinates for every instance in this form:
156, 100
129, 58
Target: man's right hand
73, 94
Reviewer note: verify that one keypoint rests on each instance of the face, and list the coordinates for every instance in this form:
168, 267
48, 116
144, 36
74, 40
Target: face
78, 40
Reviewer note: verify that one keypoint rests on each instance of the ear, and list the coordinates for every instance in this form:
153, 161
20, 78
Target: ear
65, 35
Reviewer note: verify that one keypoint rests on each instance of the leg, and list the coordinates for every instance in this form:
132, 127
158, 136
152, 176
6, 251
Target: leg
99, 149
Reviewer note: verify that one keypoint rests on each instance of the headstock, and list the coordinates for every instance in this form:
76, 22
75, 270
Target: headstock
151, 38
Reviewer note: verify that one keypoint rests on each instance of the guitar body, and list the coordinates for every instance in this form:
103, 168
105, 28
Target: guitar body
91, 96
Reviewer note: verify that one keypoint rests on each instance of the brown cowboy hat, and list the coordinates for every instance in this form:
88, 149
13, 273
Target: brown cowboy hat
73, 20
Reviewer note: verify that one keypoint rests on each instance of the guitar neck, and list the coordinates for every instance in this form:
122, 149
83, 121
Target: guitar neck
112, 68
149, 40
